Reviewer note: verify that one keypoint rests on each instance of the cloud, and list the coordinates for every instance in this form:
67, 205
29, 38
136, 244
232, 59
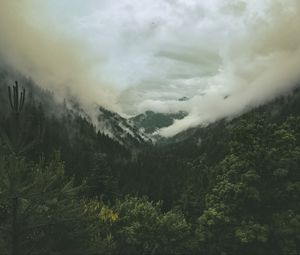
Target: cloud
261, 63
54, 61
133, 56
247, 50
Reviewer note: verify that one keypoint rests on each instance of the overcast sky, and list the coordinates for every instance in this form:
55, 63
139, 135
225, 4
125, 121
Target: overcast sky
147, 54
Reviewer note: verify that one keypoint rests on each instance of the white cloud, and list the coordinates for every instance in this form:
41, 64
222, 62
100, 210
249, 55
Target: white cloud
157, 51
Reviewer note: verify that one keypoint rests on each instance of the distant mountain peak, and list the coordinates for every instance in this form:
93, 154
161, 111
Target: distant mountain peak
150, 121
120, 129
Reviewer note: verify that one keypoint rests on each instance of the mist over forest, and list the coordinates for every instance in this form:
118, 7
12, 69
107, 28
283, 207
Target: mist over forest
149, 127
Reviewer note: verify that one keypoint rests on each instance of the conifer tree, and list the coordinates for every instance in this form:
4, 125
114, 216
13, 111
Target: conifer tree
39, 213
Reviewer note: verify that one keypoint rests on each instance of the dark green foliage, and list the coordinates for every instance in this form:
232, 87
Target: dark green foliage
236, 181
256, 182
38, 203
232, 187
142, 228
48, 218
102, 180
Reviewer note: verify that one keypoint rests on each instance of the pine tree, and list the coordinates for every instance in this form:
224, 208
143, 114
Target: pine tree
39, 207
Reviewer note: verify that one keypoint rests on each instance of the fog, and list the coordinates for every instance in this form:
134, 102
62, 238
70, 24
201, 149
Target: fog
53, 60
130, 56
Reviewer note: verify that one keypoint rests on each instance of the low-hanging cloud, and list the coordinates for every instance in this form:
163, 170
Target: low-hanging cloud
52, 60
231, 56
225, 56
257, 65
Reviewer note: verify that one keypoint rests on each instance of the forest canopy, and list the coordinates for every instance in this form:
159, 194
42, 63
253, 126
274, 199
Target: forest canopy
67, 188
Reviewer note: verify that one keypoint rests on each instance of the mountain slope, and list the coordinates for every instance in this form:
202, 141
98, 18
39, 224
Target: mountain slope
234, 184
120, 129
151, 121
109, 123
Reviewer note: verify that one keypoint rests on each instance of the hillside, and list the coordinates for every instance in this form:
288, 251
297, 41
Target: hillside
231, 187
152, 121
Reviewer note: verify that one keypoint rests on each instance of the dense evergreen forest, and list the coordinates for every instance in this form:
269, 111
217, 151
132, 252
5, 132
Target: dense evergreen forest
232, 187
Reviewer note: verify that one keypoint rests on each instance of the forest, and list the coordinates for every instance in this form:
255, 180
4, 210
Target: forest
231, 187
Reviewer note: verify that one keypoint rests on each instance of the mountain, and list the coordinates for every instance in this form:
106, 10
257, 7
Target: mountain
108, 123
236, 180
120, 129
231, 187
150, 121
66, 128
